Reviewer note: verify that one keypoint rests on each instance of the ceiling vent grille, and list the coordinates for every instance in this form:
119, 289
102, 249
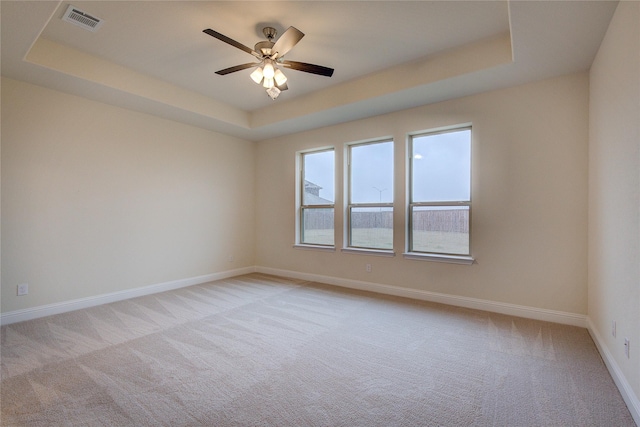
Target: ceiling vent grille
82, 19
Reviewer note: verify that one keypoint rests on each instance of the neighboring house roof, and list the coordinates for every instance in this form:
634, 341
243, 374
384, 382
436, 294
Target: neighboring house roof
312, 194
312, 199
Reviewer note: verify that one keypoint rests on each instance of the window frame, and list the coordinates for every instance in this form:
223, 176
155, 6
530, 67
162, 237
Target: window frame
349, 205
301, 206
411, 253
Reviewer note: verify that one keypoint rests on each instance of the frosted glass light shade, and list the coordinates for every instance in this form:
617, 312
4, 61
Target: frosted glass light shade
257, 75
268, 71
279, 77
267, 83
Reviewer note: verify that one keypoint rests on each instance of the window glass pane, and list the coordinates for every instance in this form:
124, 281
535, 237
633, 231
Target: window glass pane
441, 167
372, 173
440, 229
319, 178
317, 226
372, 228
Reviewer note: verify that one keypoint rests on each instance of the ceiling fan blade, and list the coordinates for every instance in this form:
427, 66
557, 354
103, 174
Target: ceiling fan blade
232, 42
237, 68
308, 68
287, 40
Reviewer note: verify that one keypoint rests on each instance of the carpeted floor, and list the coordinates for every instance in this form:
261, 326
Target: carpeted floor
260, 350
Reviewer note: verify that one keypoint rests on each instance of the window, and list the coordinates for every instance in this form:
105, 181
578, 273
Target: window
440, 193
370, 205
317, 184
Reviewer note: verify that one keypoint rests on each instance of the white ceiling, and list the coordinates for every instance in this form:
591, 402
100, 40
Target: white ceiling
152, 56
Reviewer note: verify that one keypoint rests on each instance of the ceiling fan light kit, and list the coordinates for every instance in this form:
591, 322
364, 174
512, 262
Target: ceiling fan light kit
273, 92
257, 75
279, 77
268, 70
271, 55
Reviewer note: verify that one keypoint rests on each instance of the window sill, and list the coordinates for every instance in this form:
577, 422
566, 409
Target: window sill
452, 259
314, 247
374, 252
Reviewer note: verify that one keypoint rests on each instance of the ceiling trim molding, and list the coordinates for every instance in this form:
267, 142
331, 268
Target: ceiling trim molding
467, 59
63, 59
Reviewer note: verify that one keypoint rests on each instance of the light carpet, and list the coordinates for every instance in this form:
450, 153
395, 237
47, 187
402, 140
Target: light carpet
260, 350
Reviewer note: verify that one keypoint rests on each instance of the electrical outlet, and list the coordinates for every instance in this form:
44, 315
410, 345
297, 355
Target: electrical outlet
23, 289
613, 328
367, 268
626, 347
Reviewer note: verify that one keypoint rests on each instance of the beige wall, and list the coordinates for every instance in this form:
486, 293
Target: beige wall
614, 190
529, 220
97, 199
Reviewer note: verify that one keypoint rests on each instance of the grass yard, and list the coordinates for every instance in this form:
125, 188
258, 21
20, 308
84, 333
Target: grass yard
382, 238
441, 242
318, 237
374, 238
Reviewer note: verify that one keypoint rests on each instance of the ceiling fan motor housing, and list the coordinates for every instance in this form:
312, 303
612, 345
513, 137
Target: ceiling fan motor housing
269, 32
264, 47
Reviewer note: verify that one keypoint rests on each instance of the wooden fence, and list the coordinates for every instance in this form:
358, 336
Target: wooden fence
446, 220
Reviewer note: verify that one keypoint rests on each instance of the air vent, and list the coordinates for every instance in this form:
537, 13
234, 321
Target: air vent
82, 19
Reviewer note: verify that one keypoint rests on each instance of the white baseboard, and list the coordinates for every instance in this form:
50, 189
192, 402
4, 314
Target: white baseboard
475, 303
63, 307
623, 385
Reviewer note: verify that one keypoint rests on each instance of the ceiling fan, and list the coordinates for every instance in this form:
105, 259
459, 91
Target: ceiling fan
270, 56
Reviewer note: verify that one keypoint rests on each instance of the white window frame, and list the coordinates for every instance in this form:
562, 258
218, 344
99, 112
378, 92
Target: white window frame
301, 206
436, 256
349, 205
